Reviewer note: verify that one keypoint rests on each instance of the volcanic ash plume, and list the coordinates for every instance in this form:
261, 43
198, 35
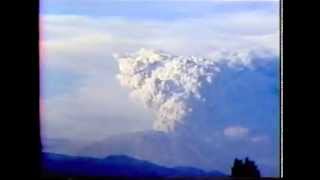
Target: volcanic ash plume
167, 84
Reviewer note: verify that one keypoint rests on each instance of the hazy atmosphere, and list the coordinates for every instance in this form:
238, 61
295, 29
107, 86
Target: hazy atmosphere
129, 77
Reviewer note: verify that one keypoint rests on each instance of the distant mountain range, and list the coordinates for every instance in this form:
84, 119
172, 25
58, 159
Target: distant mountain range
115, 165
161, 148
170, 150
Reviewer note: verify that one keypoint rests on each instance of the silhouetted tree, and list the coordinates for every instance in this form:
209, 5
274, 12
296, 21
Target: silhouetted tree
237, 168
246, 169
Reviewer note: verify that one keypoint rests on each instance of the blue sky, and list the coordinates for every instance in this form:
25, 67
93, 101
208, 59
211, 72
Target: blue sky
79, 89
159, 10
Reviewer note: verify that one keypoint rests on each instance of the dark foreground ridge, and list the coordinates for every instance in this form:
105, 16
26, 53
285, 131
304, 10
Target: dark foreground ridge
114, 166
64, 167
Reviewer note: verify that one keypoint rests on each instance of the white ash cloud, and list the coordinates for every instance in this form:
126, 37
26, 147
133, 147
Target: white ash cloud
168, 84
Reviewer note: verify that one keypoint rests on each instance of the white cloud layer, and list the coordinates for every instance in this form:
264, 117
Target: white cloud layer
83, 43
236, 132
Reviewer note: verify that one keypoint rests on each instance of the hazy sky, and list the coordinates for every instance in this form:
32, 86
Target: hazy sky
78, 39
80, 95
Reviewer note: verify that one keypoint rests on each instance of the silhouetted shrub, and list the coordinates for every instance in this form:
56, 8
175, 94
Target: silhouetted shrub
246, 169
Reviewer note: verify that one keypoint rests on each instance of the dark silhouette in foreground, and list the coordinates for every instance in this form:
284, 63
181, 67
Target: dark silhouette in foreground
248, 169
64, 167
116, 166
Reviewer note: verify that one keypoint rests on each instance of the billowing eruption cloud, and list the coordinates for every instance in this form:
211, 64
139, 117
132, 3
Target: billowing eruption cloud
166, 83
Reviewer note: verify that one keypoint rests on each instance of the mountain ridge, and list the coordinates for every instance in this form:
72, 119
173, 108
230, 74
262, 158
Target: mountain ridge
115, 165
